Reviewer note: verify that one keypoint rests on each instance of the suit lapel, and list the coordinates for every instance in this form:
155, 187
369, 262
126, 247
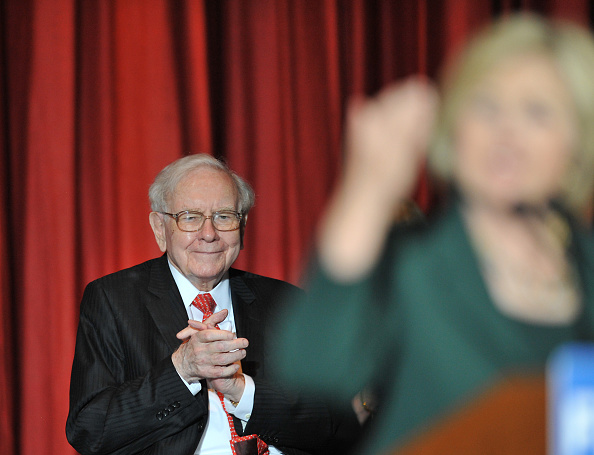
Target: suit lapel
247, 309
165, 303
244, 303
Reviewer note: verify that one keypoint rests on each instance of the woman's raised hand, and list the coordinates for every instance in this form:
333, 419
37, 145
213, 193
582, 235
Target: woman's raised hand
386, 141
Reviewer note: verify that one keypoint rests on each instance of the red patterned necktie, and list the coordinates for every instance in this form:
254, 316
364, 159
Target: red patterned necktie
206, 304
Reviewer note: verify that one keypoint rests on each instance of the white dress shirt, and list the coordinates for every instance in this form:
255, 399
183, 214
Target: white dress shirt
216, 436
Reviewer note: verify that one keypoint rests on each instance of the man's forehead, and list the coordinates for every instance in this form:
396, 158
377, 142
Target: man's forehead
205, 186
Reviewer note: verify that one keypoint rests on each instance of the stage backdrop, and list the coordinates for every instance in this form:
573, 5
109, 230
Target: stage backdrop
97, 96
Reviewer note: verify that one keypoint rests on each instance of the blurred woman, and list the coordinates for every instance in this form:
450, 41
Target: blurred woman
492, 285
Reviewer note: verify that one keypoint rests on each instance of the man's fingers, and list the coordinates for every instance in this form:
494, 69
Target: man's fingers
185, 333
197, 325
227, 358
201, 359
216, 318
213, 340
227, 344
194, 325
222, 371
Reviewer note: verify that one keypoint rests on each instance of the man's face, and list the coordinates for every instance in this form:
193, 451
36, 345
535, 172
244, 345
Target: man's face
204, 256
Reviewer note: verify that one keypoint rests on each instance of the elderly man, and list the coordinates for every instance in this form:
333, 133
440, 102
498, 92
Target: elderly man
144, 381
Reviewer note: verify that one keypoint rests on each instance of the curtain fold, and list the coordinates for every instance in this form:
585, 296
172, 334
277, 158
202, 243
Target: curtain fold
8, 378
98, 96
282, 128
46, 219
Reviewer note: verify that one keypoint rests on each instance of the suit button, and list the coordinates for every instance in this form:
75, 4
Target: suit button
170, 408
165, 412
159, 415
177, 404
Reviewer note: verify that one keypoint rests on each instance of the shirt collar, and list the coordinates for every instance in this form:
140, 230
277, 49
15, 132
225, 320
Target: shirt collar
221, 293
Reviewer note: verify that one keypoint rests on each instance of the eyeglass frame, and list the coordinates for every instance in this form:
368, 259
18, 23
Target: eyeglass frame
176, 216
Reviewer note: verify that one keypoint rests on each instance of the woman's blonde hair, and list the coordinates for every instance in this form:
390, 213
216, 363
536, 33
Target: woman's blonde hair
569, 47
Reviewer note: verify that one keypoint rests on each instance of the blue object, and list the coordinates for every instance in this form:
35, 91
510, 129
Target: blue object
570, 382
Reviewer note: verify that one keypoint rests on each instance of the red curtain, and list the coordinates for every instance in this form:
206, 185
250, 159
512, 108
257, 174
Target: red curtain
97, 96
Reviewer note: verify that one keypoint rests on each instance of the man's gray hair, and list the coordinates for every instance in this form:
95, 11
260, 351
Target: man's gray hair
166, 181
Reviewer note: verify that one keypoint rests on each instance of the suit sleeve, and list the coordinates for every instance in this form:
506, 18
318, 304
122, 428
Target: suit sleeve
282, 416
111, 410
307, 423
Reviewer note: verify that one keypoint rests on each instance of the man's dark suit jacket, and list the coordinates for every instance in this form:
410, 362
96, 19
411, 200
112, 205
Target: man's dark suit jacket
125, 394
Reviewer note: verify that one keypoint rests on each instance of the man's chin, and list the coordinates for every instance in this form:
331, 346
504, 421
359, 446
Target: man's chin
205, 281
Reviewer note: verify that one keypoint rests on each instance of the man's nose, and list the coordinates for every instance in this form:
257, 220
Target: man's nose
208, 232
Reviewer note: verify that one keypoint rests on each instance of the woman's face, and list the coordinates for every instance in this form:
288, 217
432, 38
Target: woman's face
515, 134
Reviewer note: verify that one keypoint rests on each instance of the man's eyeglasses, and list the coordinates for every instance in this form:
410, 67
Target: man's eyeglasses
192, 221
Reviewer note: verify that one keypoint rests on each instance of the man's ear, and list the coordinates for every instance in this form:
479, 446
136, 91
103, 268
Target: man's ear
158, 226
242, 230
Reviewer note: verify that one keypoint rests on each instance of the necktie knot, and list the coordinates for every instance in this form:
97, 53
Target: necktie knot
206, 304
